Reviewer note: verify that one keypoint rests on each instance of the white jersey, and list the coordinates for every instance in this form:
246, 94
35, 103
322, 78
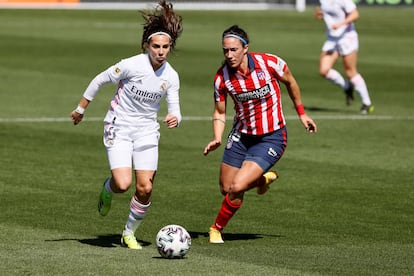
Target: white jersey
335, 11
139, 93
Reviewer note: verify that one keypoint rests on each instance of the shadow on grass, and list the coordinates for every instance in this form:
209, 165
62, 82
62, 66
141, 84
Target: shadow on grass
114, 240
110, 240
323, 109
233, 236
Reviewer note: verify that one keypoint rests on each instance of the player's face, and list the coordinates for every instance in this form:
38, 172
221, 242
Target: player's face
158, 49
234, 52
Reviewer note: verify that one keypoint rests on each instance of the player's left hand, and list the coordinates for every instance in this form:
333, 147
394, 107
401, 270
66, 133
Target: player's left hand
171, 121
308, 123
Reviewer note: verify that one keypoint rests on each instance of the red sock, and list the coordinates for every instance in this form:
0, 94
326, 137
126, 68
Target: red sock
227, 210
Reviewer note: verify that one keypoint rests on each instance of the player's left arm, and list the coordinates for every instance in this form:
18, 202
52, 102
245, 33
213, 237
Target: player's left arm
351, 17
171, 121
294, 93
173, 118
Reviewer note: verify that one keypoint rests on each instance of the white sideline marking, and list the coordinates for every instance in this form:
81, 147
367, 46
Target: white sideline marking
208, 118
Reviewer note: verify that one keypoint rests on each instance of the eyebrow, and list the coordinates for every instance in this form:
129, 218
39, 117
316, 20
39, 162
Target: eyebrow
161, 45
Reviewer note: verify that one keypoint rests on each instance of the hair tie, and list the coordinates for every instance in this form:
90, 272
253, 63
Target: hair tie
238, 37
158, 33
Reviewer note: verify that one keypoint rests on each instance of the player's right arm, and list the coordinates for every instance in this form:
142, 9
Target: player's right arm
318, 13
219, 125
112, 74
77, 114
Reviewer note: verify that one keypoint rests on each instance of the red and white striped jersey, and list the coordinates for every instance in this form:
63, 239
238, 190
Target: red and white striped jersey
256, 95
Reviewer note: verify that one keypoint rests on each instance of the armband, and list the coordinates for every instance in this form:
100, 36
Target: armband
80, 110
300, 109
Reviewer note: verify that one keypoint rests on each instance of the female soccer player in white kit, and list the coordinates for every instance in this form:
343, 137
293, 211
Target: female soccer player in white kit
342, 40
131, 129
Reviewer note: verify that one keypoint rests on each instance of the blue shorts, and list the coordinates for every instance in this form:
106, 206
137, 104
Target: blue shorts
265, 150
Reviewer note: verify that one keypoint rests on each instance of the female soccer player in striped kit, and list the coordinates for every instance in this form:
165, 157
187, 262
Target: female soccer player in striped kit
131, 129
342, 40
258, 137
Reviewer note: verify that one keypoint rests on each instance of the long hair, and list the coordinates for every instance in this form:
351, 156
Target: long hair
162, 19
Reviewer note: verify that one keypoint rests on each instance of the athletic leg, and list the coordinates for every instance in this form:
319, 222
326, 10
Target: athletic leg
240, 181
119, 183
145, 159
326, 63
139, 206
350, 66
119, 152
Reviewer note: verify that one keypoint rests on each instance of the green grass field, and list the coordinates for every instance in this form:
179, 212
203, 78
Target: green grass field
344, 204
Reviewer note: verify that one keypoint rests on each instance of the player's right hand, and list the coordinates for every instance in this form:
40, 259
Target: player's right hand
213, 145
76, 117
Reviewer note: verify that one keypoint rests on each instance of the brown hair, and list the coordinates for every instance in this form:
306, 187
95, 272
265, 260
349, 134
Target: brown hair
238, 32
162, 19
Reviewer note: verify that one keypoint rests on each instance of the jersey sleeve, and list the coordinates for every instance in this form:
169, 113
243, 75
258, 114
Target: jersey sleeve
111, 75
349, 6
277, 65
173, 98
220, 90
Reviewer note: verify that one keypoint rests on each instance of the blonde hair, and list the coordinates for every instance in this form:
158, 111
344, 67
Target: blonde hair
162, 20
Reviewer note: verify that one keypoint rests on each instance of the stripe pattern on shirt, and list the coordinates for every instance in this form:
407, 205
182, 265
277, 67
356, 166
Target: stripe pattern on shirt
256, 95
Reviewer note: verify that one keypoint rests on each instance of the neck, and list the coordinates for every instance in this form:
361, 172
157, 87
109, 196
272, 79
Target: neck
244, 66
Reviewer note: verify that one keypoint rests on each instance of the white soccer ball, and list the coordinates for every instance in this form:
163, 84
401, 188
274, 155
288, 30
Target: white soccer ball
173, 241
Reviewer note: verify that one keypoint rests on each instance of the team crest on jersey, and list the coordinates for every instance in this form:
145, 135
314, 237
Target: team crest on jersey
163, 86
261, 75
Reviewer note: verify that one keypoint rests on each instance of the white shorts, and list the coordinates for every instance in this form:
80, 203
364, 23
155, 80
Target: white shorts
127, 146
344, 45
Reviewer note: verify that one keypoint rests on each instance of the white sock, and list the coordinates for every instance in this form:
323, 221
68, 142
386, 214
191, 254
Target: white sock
336, 78
108, 185
361, 88
136, 215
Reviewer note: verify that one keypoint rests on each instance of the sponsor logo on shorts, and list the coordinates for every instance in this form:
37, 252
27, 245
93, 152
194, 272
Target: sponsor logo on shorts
272, 152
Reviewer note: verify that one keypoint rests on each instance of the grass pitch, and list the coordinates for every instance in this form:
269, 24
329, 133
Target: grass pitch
342, 206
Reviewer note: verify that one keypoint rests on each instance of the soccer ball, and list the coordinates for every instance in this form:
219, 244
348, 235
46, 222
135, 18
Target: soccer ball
173, 241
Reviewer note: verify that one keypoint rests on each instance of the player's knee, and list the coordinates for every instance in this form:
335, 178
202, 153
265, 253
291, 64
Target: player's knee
237, 188
224, 189
144, 189
122, 184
